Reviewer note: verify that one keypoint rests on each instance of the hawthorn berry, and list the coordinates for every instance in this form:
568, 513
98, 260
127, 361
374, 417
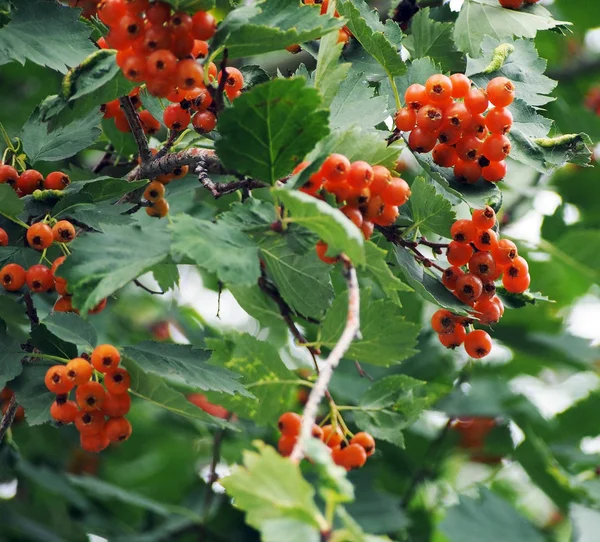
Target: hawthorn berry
476, 101
158, 208
29, 181
94, 443
63, 231
321, 249
494, 171
200, 49
64, 412
39, 278
486, 240
360, 175
79, 371
505, 252
111, 11
40, 236
468, 288
366, 441
457, 115
117, 429
501, 91
352, 456
463, 231
453, 339
469, 148
405, 119
90, 396
458, 254
511, 4
89, 422
516, 277
117, 381
116, 405
64, 304
57, 180
422, 141
204, 25
332, 437
482, 265
135, 68
449, 134
461, 85
430, 118
3, 238
499, 120
443, 321
438, 88
158, 13
8, 175
478, 344
289, 424
56, 380
60, 284
204, 121
450, 276
149, 123
396, 192
484, 219
286, 444
105, 358
176, 118
154, 191
234, 82
336, 168
416, 96
488, 311
496, 147
12, 277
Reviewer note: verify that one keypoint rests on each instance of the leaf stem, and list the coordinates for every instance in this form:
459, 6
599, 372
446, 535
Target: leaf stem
15, 220
395, 91
51, 358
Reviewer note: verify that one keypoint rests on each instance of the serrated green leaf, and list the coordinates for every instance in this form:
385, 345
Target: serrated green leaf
72, 328
263, 374
253, 75
380, 41
258, 305
330, 72
522, 66
25, 257
79, 208
167, 276
301, 279
331, 225
91, 279
430, 38
271, 26
253, 215
270, 487
14, 316
10, 204
385, 338
487, 514
517, 301
480, 18
48, 343
47, 34
270, 128
355, 95
184, 365
378, 268
104, 188
10, 358
430, 211
123, 142
31, 392
44, 143
218, 248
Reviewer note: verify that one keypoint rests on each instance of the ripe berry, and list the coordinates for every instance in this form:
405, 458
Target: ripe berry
39, 278
366, 441
135, 68
476, 126
235, 80
484, 219
189, 74
90, 396
79, 371
388, 215
155, 38
117, 429
486, 240
450, 276
488, 311
158, 13
64, 412
180, 23
405, 119
286, 444
463, 231
154, 191
496, 147
316, 432
321, 249
149, 123
469, 148
203, 100
499, 120
461, 85
336, 168
204, 121
476, 101
458, 254
457, 115
482, 264
443, 321
137, 7
94, 443
494, 171
478, 344
159, 208
98, 308
396, 192
9, 175
422, 141
289, 424
511, 4
200, 49
176, 118
117, 381
438, 88
60, 284
516, 277
467, 172
353, 214
116, 405
416, 96
110, 11
353, 456
161, 64
121, 122
367, 228
468, 288
12, 277
89, 422
3, 238
63, 231
40, 236
450, 135
360, 175
56, 180
131, 27
56, 380
105, 358
501, 91
430, 118
183, 46
29, 181
454, 339
505, 252
204, 25
330, 437
64, 304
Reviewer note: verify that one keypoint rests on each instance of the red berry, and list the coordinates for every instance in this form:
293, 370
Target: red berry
204, 121
105, 358
180, 23
57, 180
486, 240
135, 68
416, 96
458, 254
321, 249
422, 141
289, 424
482, 264
484, 219
461, 85
12, 277
158, 13
454, 339
64, 412
40, 236
476, 101
494, 171
353, 456
286, 444
405, 119
90, 396
499, 120
365, 440
450, 135
189, 74
496, 147
396, 192
450, 276
458, 115
63, 231
505, 252
89, 422
488, 311
176, 118
438, 88
29, 181
111, 11
336, 168
463, 231
39, 278
117, 381
430, 118
443, 321
3, 238
94, 443
501, 91
468, 288
9, 175
516, 277
476, 127
235, 80
117, 429
478, 344
469, 148
56, 380
116, 405
511, 4
204, 25
79, 371
330, 437
467, 172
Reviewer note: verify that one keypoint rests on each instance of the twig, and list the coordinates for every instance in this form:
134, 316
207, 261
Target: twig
105, 161
30, 310
218, 97
168, 163
396, 135
222, 189
145, 288
361, 372
393, 236
319, 390
9, 417
212, 476
137, 129
173, 135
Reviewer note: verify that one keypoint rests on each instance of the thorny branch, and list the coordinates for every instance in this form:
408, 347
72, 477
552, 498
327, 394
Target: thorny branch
137, 129
166, 164
222, 189
320, 388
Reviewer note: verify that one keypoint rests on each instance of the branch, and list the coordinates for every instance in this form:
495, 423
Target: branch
105, 161
173, 135
320, 388
8, 418
218, 95
166, 164
140, 285
30, 310
361, 372
133, 119
222, 189
393, 236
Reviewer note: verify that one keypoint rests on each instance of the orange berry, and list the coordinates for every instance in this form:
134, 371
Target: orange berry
463, 231
154, 191
63, 231
443, 321
486, 240
484, 219
90, 396
322, 249
116, 405
64, 412
12, 277
289, 424
56, 380
478, 344
117, 429
505, 252
330, 437
39, 236
459, 254
105, 358
89, 422
79, 371
117, 381
57, 180
454, 339
94, 443
39, 278
353, 456
365, 440
286, 444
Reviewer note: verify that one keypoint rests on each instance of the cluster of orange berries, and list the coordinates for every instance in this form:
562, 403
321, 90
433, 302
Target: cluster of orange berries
370, 194
475, 245
113, 110
350, 454
516, 4
31, 180
93, 401
5, 396
457, 132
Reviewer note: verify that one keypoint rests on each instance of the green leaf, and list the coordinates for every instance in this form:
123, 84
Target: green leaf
430, 38
156, 390
155, 105
379, 40
480, 18
31, 392
517, 301
123, 142
270, 128
49, 343
354, 104
14, 316
330, 72
258, 305
79, 208
430, 211
385, 336
10, 204
302, 279
10, 359
183, 364
522, 66
270, 487
253, 215
167, 276
47, 34
331, 225
192, 6
44, 143
378, 268
271, 26
104, 188
487, 514
25, 257
72, 328
218, 248
392, 404
262, 372
91, 279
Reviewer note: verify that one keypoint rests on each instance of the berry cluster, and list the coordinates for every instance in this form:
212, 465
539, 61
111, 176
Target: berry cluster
5, 396
93, 401
487, 258
112, 110
350, 454
516, 4
31, 180
457, 132
369, 193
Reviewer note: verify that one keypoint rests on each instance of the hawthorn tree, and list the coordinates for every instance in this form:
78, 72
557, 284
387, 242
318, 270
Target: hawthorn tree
354, 185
